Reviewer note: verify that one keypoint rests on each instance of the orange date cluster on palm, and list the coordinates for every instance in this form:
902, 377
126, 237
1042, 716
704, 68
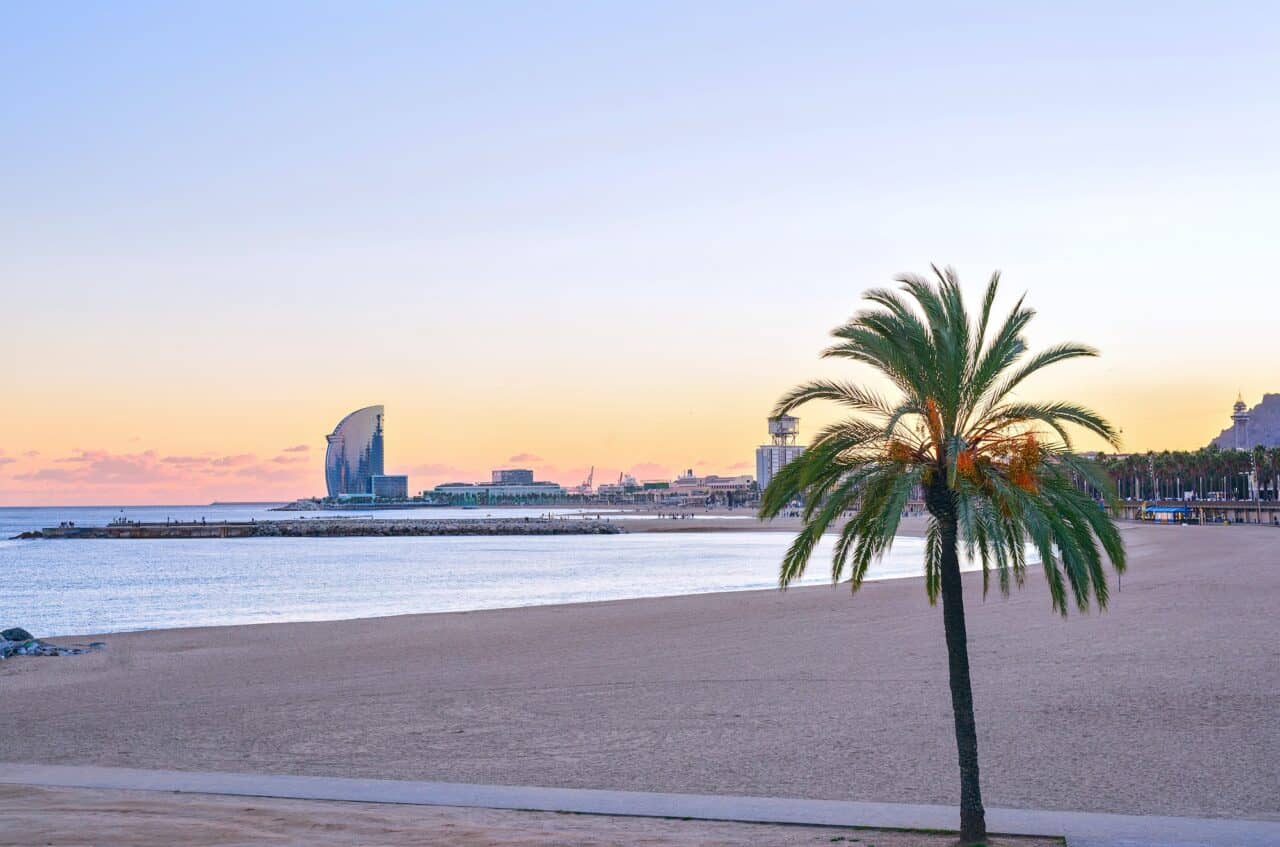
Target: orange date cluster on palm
900, 451
1017, 458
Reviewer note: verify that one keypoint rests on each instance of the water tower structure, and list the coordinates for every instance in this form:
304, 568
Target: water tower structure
781, 449
783, 430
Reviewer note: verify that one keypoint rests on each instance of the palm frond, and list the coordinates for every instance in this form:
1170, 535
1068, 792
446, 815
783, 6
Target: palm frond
846, 393
998, 487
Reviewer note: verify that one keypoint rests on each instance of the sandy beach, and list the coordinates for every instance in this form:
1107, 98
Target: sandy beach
1168, 703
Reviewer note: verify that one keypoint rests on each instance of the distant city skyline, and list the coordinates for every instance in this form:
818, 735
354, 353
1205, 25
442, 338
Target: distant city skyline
99, 477
598, 235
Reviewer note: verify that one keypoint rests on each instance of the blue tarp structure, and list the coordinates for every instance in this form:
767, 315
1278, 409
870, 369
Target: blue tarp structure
1166, 514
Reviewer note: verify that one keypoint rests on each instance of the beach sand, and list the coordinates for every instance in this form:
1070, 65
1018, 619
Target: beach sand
1168, 703
61, 817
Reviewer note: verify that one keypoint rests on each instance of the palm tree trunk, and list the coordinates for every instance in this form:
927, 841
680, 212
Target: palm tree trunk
973, 821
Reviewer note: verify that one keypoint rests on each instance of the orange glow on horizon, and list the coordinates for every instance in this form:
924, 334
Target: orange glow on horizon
278, 455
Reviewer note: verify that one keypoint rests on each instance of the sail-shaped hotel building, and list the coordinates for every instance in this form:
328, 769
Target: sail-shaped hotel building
354, 456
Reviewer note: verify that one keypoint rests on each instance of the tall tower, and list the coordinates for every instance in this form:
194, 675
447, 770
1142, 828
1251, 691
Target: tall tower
781, 449
376, 464
1240, 433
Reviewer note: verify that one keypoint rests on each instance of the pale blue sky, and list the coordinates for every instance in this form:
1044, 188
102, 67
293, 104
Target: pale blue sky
669, 203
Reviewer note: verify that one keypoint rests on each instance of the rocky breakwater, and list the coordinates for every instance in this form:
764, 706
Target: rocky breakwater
313, 527
16, 641
331, 528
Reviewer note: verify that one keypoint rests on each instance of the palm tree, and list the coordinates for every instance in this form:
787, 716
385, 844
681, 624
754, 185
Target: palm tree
996, 472
1274, 453
1257, 465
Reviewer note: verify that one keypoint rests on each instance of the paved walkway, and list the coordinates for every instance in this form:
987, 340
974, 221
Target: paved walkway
1082, 829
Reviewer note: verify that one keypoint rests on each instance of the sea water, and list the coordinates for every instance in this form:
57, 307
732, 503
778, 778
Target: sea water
80, 587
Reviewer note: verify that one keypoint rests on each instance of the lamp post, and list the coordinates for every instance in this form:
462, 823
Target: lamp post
1257, 497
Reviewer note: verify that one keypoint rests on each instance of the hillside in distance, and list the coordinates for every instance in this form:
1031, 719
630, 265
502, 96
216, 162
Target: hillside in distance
1264, 425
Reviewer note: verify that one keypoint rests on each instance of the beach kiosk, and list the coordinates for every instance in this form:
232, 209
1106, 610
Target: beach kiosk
1166, 514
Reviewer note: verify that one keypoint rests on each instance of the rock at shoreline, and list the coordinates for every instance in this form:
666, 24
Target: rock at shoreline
16, 641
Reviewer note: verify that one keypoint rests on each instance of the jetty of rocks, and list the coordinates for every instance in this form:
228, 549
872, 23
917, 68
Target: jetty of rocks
332, 528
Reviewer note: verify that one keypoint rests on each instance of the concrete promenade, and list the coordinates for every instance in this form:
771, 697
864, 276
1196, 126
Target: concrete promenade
1081, 829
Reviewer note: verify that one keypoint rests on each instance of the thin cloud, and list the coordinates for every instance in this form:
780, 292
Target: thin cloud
92, 473
99, 467
525, 457
185, 460
289, 460
235, 461
448, 473
650, 470
265, 473
297, 448
49, 475
82, 457
103, 468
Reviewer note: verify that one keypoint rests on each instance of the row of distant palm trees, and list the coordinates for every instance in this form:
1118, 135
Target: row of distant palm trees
1208, 472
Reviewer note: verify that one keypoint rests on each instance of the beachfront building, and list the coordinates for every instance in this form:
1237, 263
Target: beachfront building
729, 490
688, 490
390, 486
629, 491
512, 476
780, 451
498, 492
354, 455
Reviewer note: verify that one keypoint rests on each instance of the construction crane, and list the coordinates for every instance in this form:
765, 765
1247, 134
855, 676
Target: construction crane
585, 488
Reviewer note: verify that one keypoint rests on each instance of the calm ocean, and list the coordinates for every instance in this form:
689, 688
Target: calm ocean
88, 587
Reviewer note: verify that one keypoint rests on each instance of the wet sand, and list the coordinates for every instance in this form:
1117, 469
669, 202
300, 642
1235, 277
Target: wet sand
1168, 703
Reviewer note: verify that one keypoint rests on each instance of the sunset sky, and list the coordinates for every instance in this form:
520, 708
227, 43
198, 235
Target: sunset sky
560, 235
